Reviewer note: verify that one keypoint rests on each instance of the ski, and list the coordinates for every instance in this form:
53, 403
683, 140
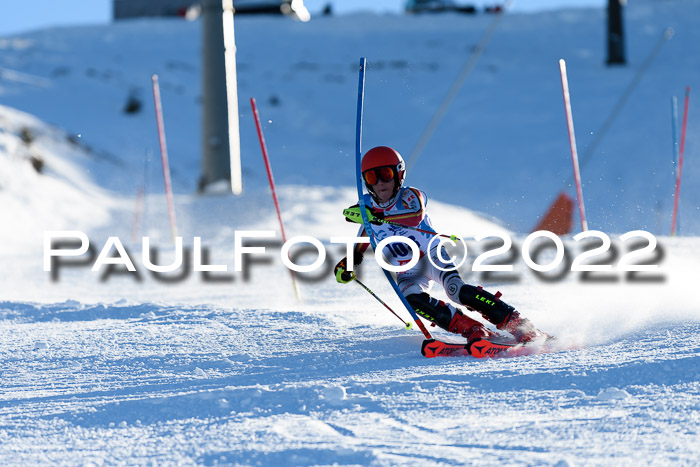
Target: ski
480, 348
433, 348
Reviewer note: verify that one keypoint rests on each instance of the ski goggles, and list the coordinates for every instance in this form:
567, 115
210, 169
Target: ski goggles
384, 174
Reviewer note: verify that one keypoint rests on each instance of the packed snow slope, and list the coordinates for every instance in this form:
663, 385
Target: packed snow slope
112, 367
502, 147
117, 367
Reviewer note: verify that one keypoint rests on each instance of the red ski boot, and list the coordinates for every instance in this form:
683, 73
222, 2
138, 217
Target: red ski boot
521, 328
467, 327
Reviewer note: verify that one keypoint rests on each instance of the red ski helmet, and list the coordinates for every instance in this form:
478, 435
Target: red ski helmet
382, 157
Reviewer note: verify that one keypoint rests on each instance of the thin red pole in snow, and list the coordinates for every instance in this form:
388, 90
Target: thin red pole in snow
677, 193
572, 142
164, 155
263, 147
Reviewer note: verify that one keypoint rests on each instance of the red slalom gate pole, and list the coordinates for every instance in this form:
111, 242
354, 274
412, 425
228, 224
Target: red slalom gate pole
677, 193
263, 147
572, 143
164, 155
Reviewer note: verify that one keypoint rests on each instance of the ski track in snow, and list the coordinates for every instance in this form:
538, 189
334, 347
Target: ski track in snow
193, 384
137, 372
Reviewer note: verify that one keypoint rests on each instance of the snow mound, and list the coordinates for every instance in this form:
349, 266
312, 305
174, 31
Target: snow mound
45, 182
609, 394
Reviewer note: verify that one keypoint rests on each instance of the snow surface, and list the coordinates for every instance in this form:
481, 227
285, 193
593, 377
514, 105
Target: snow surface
115, 368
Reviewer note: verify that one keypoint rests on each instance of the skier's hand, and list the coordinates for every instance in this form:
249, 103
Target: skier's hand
375, 216
342, 275
353, 214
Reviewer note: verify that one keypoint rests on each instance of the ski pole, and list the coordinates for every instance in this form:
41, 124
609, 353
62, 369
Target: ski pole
348, 214
454, 238
408, 325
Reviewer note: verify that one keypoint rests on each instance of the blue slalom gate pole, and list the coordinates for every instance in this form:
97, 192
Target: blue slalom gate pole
361, 194
674, 127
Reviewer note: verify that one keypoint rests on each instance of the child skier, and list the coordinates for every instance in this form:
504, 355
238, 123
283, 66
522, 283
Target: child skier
383, 172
